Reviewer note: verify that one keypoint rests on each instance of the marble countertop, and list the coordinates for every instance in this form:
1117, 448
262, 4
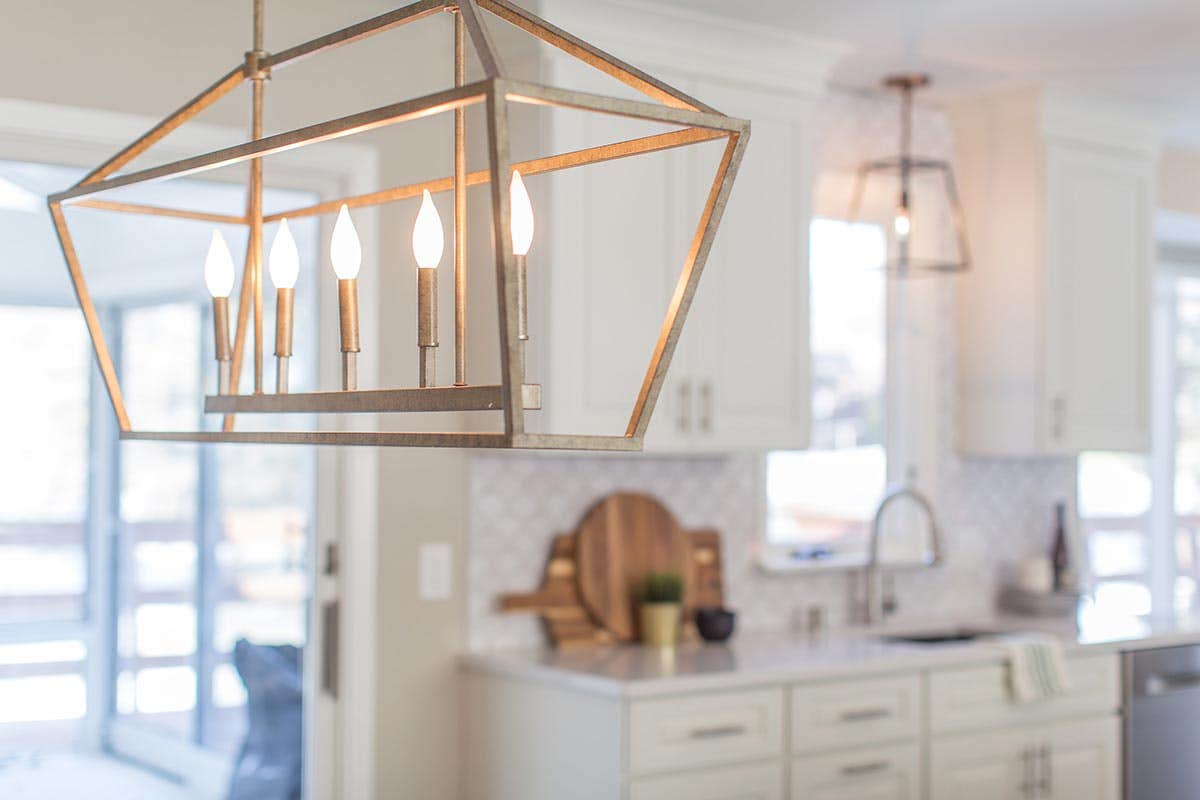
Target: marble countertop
635, 671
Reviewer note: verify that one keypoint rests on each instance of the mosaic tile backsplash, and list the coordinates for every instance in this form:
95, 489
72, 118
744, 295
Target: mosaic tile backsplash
992, 511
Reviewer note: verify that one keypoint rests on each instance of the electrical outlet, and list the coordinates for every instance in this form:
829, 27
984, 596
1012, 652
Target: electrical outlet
435, 571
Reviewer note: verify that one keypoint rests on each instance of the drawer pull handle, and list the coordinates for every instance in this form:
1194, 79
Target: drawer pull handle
718, 731
866, 767
864, 714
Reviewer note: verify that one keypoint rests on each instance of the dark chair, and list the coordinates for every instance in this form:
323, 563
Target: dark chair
270, 764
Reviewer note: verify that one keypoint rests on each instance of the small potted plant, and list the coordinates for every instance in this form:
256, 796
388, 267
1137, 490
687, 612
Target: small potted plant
661, 608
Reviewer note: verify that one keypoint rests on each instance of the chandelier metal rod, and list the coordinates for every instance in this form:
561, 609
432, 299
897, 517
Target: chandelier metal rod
187, 111
526, 441
605, 62
159, 211
356, 32
374, 401
460, 208
535, 166
429, 105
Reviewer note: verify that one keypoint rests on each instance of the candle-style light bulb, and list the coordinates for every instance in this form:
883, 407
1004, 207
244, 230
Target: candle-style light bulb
902, 222
218, 275
283, 263
521, 215
521, 211
345, 251
218, 267
428, 239
428, 242
284, 266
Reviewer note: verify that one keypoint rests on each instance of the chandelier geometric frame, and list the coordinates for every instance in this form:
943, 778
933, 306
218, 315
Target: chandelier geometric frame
512, 396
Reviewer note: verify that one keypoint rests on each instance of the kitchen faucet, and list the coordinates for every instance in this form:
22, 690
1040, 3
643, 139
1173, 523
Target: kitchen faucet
876, 606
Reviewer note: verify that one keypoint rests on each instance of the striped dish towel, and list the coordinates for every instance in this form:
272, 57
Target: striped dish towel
1037, 667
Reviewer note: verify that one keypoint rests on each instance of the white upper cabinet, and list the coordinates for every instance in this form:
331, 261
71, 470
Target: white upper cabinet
1054, 315
747, 353
618, 236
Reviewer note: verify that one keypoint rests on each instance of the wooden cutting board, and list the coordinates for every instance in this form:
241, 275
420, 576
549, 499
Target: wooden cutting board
621, 539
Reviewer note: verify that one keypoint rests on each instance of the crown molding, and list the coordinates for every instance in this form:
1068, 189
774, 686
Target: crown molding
1064, 114
651, 35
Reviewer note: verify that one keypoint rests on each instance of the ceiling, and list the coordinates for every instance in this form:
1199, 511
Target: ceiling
1146, 51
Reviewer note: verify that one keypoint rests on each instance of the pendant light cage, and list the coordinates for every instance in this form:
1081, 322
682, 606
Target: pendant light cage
902, 170
692, 122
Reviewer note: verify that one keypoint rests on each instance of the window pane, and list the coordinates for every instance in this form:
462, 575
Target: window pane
159, 497
43, 476
43, 696
261, 556
819, 500
1122, 598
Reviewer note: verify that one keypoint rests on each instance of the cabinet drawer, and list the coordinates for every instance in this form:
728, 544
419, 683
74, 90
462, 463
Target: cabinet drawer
877, 773
826, 716
703, 730
976, 697
753, 782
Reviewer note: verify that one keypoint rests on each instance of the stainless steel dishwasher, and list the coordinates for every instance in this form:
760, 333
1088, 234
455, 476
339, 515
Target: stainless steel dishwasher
1162, 723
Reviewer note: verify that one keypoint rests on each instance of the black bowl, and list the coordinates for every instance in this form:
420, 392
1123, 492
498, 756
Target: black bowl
714, 623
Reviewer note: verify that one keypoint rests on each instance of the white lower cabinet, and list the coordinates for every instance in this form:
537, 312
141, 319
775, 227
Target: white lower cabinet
1082, 759
755, 782
870, 773
943, 734
1062, 761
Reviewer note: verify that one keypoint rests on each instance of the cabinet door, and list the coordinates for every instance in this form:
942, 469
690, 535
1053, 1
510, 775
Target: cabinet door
1081, 759
1099, 211
983, 766
749, 343
877, 773
756, 782
612, 250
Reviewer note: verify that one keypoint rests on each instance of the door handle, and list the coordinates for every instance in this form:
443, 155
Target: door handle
1046, 781
706, 407
865, 768
685, 407
1059, 412
330, 642
1161, 684
864, 714
718, 731
1027, 768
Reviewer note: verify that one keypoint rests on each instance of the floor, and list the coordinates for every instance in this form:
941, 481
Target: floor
62, 775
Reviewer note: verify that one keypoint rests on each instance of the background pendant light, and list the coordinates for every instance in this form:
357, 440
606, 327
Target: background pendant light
904, 224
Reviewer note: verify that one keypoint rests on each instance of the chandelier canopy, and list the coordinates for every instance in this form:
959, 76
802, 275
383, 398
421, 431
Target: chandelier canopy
511, 222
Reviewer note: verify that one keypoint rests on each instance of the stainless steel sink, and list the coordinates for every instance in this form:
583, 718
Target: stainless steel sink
947, 636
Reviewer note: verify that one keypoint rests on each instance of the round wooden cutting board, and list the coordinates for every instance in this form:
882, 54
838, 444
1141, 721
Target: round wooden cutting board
621, 538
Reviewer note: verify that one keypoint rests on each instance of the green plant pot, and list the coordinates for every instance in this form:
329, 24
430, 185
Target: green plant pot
660, 623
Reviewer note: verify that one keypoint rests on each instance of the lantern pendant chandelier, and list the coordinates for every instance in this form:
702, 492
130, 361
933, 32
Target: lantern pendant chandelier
512, 230
905, 167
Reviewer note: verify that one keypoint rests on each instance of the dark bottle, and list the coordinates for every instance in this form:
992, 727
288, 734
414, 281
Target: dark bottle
1059, 555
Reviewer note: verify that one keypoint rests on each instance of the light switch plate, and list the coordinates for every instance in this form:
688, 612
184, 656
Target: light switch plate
435, 570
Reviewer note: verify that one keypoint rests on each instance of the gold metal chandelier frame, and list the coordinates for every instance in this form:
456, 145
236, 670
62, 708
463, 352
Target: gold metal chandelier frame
698, 123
